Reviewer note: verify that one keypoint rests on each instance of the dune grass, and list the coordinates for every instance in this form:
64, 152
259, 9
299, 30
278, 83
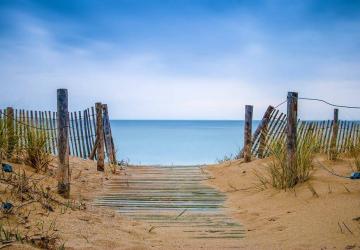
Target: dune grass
280, 175
354, 153
30, 149
36, 154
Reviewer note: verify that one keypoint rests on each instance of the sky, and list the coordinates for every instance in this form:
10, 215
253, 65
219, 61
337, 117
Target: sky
180, 59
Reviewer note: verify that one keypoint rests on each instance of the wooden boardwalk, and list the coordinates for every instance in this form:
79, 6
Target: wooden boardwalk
174, 199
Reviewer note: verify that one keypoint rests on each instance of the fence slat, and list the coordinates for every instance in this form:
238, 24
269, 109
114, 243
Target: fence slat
82, 136
86, 134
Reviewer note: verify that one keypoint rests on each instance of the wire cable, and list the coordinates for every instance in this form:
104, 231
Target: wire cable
328, 103
331, 172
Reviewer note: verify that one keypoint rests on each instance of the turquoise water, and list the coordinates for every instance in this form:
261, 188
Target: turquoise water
176, 142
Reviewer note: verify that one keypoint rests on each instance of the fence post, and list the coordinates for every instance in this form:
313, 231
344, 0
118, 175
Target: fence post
247, 132
110, 150
63, 143
264, 130
10, 131
100, 137
333, 151
292, 108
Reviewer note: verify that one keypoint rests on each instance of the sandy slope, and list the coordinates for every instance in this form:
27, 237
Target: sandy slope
295, 219
92, 228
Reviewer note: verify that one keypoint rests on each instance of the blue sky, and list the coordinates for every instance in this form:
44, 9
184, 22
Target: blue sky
183, 59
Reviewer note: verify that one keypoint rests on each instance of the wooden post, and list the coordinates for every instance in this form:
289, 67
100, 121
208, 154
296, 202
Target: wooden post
247, 132
292, 108
10, 131
264, 130
100, 136
333, 151
108, 136
63, 143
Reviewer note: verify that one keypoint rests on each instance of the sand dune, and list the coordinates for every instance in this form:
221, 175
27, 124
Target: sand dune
296, 218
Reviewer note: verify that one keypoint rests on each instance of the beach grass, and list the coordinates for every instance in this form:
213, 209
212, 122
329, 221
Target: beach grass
280, 175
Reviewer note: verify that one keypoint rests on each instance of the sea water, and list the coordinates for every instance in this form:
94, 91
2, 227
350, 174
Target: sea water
177, 142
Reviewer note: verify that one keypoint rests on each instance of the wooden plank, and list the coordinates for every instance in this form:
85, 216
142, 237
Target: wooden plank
78, 135
292, 103
323, 134
48, 134
63, 146
27, 129
86, 131
247, 132
36, 125
10, 131
262, 131
329, 138
53, 143
342, 138
108, 136
75, 139
84, 155
91, 129
335, 130
273, 126
71, 137
100, 137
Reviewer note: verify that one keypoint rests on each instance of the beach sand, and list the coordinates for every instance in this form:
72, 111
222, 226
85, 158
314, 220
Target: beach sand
273, 219
296, 218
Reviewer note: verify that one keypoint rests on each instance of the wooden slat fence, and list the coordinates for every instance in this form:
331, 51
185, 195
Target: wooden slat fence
272, 128
82, 129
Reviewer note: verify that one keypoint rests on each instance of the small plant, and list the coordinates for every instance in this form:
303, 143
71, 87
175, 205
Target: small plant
354, 153
281, 176
3, 141
225, 158
36, 153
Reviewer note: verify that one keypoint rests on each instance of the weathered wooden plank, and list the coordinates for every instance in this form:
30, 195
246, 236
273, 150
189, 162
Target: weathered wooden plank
78, 135
63, 146
84, 155
335, 129
100, 137
262, 131
49, 140
75, 139
247, 132
292, 100
71, 137
86, 131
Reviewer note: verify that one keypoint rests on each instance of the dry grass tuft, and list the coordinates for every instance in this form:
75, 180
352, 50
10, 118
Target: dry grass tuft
354, 153
36, 154
280, 176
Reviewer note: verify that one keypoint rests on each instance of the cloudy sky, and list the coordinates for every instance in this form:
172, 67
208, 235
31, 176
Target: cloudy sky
180, 59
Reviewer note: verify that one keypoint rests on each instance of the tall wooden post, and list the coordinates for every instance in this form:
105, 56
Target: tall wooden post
335, 129
247, 132
110, 150
100, 137
10, 131
292, 109
63, 143
263, 130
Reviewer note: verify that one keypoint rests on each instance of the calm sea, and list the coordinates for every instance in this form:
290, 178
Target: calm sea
176, 142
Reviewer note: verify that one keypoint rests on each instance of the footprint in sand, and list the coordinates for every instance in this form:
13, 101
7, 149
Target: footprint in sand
273, 218
280, 228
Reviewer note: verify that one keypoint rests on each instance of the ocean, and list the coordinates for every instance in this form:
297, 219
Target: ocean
177, 142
